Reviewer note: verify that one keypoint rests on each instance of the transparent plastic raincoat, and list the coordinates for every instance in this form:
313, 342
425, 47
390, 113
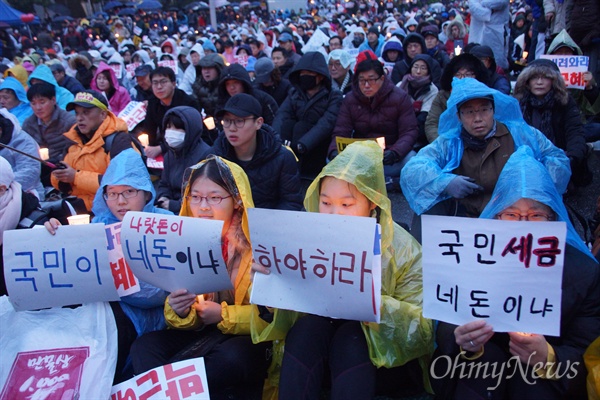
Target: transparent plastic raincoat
524, 177
403, 334
425, 177
236, 317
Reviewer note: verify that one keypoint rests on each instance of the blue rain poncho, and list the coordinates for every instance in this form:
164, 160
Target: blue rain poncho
23, 110
425, 177
44, 73
523, 177
144, 308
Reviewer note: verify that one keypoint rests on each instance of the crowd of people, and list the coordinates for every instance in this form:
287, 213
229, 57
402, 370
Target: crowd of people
452, 105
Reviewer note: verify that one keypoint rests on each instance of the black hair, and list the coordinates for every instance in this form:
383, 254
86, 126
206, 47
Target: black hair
210, 170
41, 90
175, 120
163, 71
281, 50
368, 65
335, 37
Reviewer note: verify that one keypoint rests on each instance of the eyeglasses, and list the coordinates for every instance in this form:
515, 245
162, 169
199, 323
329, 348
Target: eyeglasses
161, 82
419, 67
370, 81
127, 194
211, 200
535, 216
465, 75
471, 112
238, 122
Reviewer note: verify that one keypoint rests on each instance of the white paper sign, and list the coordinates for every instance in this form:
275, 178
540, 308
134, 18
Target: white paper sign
321, 264
173, 252
507, 272
125, 280
242, 60
71, 267
168, 63
118, 68
156, 163
137, 31
133, 114
571, 68
180, 380
130, 68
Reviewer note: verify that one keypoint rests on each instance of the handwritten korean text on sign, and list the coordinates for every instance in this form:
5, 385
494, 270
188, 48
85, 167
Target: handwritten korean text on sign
173, 252
125, 280
571, 69
506, 272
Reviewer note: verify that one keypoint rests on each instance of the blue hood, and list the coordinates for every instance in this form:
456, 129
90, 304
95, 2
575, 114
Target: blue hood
127, 168
525, 177
43, 73
14, 85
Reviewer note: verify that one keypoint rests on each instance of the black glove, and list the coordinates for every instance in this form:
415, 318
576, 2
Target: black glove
389, 157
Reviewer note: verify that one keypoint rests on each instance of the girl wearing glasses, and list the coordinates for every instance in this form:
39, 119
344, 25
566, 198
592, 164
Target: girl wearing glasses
356, 357
126, 186
215, 326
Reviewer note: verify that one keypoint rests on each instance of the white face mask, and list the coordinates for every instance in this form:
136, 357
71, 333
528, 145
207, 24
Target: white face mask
174, 138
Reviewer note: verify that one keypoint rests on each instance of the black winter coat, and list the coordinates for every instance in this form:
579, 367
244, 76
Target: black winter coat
278, 92
207, 93
272, 172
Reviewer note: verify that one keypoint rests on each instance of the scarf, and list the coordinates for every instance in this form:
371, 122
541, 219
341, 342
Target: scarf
10, 208
538, 112
471, 142
415, 85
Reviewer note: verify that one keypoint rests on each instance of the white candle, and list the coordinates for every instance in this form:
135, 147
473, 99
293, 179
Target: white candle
210, 123
525, 54
44, 153
82, 219
143, 139
457, 50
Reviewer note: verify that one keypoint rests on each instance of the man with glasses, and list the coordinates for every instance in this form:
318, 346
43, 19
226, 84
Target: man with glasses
340, 62
167, 96
271, 168
457, 173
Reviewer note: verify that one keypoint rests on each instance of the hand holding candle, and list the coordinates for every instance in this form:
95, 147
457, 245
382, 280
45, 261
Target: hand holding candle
143, 138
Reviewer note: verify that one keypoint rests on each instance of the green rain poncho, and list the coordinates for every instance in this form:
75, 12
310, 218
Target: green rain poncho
403, 334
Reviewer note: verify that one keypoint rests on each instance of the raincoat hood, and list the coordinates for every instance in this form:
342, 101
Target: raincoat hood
113, 78
563, 39
393, 43
523, 177
173, 45
414, 38
426, 58
311, 61
361, 164
14, 85
127, 168
143, 54
18, 72
237, 184
209, 45
197, 48
238, 73
44, 73
193, 129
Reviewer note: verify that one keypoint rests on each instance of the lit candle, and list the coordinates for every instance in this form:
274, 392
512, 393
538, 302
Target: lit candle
143, 139
82, 219
525, 54
210, 123
44, 153
457, 50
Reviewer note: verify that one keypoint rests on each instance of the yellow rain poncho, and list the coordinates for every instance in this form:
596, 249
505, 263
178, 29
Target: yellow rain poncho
236, 317
403, 334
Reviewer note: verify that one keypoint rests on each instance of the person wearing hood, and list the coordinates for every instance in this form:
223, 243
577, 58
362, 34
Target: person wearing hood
106, 82
525, 191
457, 36
375, 42
496, 79
307, 117
206, 86
215, 325
271, 168
392, 50
414, 44
268, 78
462, 66
126, 186
489, 27
588, 99
421, 90
547, 106
72, 39
183, 62
411, 25
19, 73
340, 64
26, 170
119, 31
87, 159
234, 80
435, 48
14, 99
169, 46
456, 174
377, 108
189, 75
64, 80
183, 135
44, 74
141, 57
167, 96
355, 354
82, 63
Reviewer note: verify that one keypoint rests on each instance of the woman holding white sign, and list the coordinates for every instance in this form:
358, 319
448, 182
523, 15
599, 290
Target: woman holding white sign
354, 352
525, 365
215, 326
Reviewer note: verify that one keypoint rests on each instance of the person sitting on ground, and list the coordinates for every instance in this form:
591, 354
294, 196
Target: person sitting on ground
14, 98
340, 64
267, 78
106, 82
64, 80
496, 78
43, 74
525, 191
271, 168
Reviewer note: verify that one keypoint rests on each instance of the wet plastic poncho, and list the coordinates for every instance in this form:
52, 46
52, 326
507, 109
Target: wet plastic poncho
144, 308
523, 177
403, 334
23, 109
425, 177
235, 317
43, 73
